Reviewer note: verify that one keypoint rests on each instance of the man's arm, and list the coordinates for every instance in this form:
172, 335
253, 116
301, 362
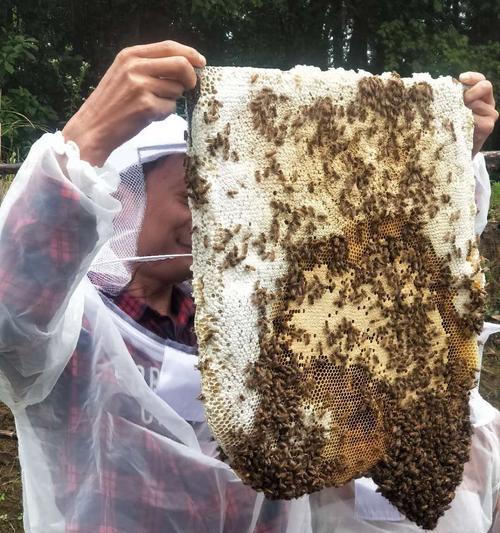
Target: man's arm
141, 86
52, 222
59, 211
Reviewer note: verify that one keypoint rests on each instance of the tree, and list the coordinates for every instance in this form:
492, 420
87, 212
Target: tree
19, 108
436, 36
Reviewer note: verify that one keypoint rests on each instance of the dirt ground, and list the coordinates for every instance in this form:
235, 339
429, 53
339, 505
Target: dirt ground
10, 478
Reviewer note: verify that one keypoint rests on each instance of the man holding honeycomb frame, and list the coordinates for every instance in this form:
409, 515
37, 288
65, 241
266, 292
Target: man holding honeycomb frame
112, 454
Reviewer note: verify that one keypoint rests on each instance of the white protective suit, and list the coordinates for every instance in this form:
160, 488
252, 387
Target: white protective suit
100, 451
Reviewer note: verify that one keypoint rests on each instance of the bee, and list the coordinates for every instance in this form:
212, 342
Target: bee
275, 230
260, 241
433, 210
253, 77
228, 235
298, 122
457, 251
219, 247
205, 241
232, 193
448, 237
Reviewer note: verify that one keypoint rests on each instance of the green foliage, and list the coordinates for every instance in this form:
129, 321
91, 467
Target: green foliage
23, 118
410, 46
413, 47
494, 213
22, 114
25, 111
490, 249
58, 52
14, 49
70, 72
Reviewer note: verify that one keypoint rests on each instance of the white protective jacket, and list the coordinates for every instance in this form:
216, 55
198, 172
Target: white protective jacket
101, 451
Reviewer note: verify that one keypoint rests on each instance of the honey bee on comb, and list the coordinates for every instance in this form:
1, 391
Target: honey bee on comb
346, 309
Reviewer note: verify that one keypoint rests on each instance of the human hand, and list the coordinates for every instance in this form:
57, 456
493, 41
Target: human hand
140, 86
479, 99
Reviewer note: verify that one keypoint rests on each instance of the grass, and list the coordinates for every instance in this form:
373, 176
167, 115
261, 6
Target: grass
489, 384
5, 182
490, 249
495, 201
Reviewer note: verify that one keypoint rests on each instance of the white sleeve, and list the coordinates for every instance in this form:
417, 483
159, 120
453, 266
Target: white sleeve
55, 217
495, 526
483, 192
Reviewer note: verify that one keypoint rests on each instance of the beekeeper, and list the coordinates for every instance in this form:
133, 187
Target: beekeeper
97, 346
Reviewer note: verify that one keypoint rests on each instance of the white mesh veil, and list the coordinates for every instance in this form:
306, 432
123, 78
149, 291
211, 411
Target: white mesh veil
112, 269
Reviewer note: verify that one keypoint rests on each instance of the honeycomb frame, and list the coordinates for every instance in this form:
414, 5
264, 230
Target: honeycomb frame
336, 278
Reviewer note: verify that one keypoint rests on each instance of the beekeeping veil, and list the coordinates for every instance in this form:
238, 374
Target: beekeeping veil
337, 280
113, 267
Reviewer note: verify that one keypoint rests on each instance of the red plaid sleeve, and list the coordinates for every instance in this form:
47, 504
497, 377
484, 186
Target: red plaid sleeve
45, 239
48, 229
46, 236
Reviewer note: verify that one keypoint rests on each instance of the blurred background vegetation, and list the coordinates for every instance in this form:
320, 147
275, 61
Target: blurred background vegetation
53, 52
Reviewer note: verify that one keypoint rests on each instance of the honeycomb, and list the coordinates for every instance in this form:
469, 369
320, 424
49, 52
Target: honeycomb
337, 280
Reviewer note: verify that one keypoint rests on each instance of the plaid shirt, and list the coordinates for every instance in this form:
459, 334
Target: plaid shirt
179, 328
52, 223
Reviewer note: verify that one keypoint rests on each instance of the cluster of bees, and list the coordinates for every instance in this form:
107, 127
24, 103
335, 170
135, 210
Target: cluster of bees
383, 268
283, 457
213, 111
430, 446
221, 142
197, 185
398, 100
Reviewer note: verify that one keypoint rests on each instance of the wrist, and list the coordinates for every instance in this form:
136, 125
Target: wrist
91, 146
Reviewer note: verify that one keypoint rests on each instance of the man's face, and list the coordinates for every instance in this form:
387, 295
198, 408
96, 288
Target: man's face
166, 227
